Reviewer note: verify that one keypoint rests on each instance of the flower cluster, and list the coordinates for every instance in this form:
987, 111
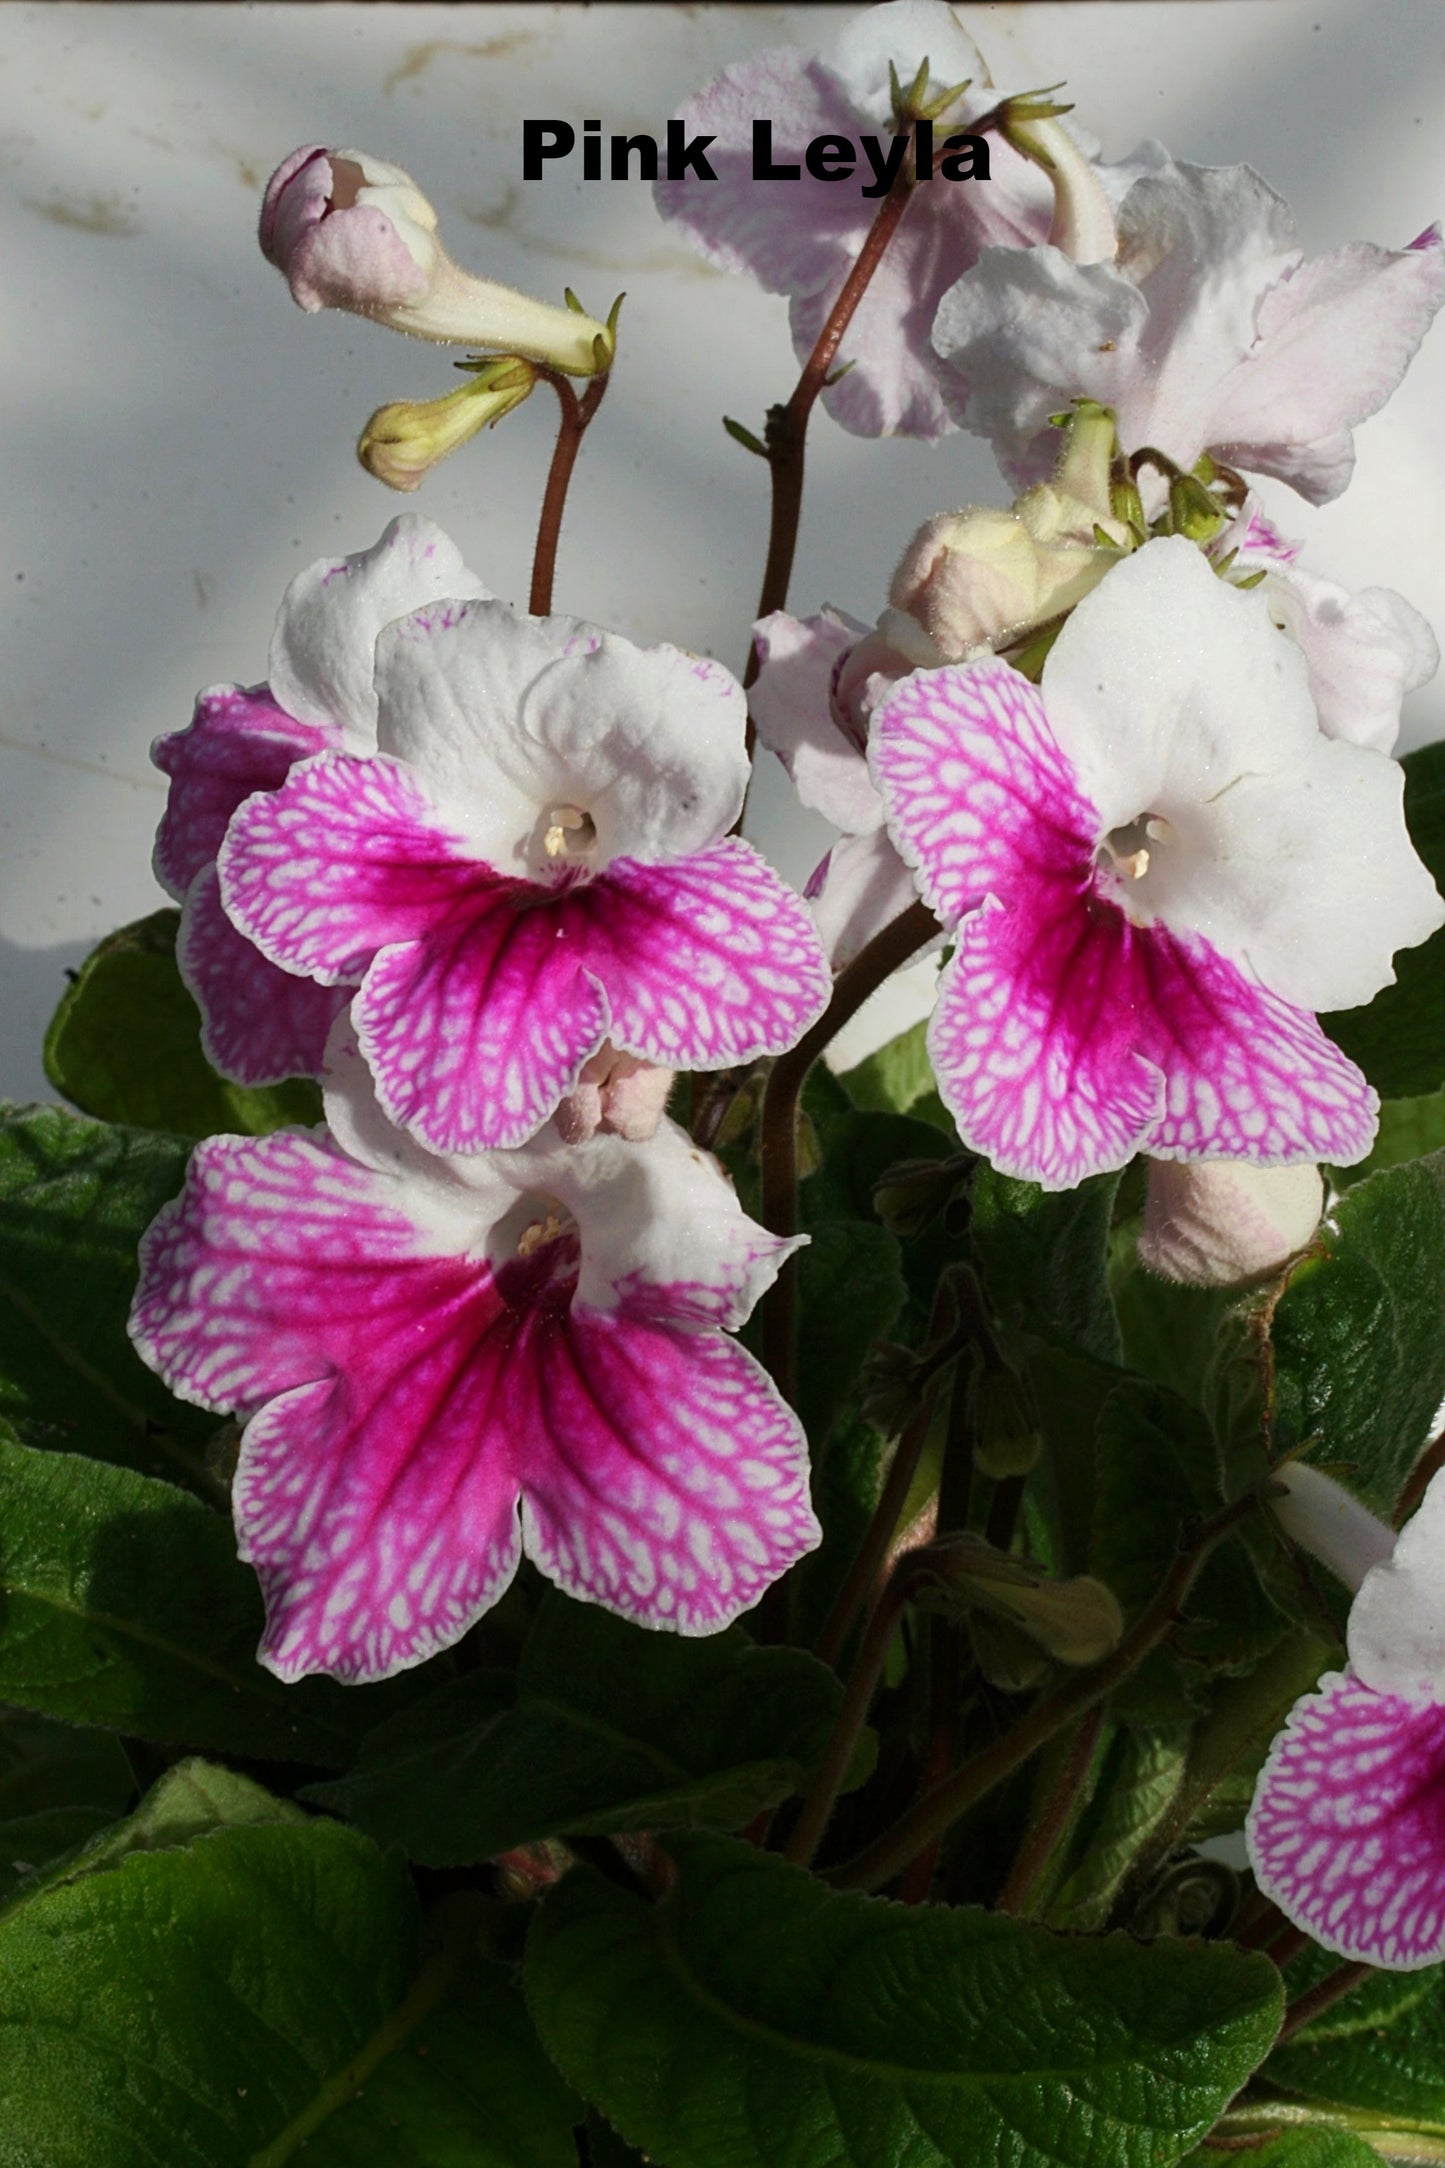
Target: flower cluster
1111, 744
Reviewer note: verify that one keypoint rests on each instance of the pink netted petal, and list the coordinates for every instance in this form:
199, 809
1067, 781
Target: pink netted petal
259, 1024
705, 962
238, 741
665, 1478
1066, 1038
379, 1507
979, 796
280, 1259
1347, 1829
475, 1032
345, 858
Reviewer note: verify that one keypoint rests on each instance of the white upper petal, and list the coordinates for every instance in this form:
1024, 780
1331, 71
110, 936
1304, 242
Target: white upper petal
505, 717
1176, 697
324, 647
1397, 1623
1365, 652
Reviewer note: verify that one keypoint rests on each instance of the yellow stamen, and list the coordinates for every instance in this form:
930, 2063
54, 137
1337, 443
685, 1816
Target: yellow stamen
568, 828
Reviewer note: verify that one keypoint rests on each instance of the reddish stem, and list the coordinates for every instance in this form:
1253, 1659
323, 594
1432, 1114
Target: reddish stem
576, 414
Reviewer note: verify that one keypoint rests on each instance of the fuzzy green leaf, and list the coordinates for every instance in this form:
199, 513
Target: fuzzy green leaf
1359, 1333
125, 1044
75, 1199
58, 1788
1044, 1254
227, 1984
124, 1604
610, 1728
756, 2019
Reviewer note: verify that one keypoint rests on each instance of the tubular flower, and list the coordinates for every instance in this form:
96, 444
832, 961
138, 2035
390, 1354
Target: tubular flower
1157, 868
348, 231
536, 860
1347, 1828
802, 240
445, 1364
1209, 331
1365, 651
260, 1024
1218, 1223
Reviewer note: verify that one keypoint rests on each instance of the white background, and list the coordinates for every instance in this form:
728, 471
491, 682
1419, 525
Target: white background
177, 436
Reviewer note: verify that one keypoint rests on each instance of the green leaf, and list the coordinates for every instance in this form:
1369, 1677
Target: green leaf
896, 1077
756, 2019
235, 1983
611, 1728
1136, 1788
1359, 1333
850, 1293
1158, 1470
58, 1787
125, 1605
1296, 2149
75, 1199
1399, 1038
1409, 1128
1379, 2054
1044, 1253
125, 1044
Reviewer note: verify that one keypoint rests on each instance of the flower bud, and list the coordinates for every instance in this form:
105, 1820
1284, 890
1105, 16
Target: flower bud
1219, 1222
912, 1193
617, 1094
1074, 1622
348, 231
1083, 222
1008, 1440
404, 441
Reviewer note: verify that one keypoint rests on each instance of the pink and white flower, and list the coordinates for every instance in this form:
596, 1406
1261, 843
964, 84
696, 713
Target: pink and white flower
349, 231
802, 239
1157, 869
444, 1364
1365, 651
260, 1024
1347, 1828
1208, 332
536, 860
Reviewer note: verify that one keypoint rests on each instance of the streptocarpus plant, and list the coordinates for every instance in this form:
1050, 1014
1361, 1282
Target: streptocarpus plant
737, 1615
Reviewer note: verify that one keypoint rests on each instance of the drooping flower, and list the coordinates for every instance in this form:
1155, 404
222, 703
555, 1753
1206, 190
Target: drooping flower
1220, 1223
349, 231
1157, 868
1347, 1828
536, 860
803, 237
1365, 651
1209, 332
444, 1364
261, 1024
405, 439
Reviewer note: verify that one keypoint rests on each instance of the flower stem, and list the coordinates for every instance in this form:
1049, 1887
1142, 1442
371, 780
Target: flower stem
862, 1680
1332, 1989
877, 1536
941, 1808
1053, 1818
787, 426
884, 955
576, 414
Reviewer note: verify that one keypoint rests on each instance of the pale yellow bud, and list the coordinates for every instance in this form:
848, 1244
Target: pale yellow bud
404, 441
1220, 1222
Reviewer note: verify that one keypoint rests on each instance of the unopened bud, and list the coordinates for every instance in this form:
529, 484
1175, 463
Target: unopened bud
913, 1193
618, 1094
349, 231
1005, 1654
1074, 1622
404, 441
1221, 1222
1083, 222
1194, 510
1007, 1438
